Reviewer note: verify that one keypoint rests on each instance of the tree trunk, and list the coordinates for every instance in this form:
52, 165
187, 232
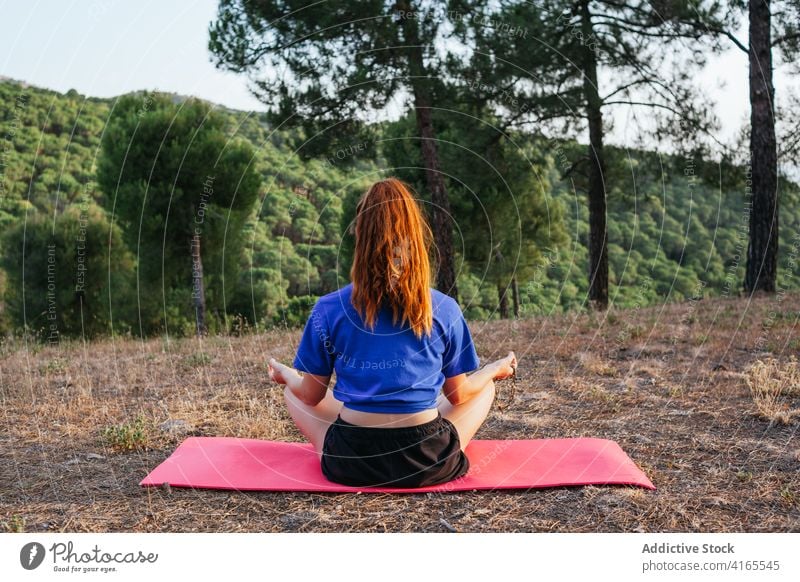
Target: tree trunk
515, 295
440, 208
762, 250
442, 229
198, 290
502, 292
598, 251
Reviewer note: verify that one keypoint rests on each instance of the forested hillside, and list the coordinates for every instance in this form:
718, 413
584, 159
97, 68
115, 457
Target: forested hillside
677, 227
50, 150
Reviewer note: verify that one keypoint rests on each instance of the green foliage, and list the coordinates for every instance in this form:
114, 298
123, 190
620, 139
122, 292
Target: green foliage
68, 276
296, 312
672, 235
499, 194
478, 301
337, 62
674, 232
170, 173
128, 436
198, 359
51, 143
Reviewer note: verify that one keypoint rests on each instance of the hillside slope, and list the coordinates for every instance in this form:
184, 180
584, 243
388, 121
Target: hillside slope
677, 226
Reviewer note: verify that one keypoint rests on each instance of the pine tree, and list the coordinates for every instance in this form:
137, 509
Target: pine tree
181, 188
328, 66
551, 72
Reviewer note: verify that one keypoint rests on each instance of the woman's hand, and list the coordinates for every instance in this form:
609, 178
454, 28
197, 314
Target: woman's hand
505, 366
308, 388
278, 372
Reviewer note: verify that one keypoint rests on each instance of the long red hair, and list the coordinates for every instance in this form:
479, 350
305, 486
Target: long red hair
391, 264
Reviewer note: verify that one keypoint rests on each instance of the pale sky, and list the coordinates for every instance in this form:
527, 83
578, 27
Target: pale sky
104, 48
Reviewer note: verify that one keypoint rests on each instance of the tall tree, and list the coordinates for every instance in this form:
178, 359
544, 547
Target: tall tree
502, 200
552, 72
772, 24
173, 177
762, 249
506, 210
326, 66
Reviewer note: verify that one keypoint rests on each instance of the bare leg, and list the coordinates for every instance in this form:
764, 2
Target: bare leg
313, 421
469, 416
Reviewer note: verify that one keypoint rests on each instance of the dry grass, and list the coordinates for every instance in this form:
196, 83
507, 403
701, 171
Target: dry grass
596, 365
772, 386
679, 406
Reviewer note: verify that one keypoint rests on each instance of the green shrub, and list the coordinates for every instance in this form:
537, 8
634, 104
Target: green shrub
127, 436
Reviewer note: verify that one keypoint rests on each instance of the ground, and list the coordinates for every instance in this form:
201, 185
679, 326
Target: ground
666, 382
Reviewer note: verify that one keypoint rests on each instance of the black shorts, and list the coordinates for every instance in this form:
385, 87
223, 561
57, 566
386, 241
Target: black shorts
409, 456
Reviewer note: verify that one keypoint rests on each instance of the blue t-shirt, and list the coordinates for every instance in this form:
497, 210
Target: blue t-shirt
386, 369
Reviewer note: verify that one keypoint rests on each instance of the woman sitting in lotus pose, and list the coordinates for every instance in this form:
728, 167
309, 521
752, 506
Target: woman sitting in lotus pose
403, 408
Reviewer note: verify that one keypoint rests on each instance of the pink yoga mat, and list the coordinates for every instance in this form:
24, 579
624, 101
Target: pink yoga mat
255, 465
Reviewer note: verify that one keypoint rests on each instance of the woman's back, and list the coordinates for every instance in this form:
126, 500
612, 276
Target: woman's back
394, 344
385, 369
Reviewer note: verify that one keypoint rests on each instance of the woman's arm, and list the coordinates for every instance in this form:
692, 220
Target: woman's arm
309, 388
461, 388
